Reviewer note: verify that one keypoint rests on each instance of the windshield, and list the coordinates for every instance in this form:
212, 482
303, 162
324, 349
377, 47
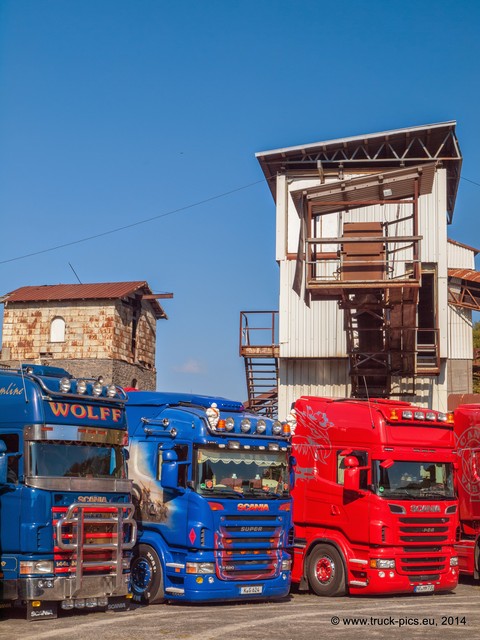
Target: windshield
235, 474
76, 460
408, 479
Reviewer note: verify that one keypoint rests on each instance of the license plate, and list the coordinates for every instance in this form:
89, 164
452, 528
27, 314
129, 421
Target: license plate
245, 591
424, 588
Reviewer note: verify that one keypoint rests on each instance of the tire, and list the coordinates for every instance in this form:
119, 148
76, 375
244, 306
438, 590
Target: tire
325, 572
146, 576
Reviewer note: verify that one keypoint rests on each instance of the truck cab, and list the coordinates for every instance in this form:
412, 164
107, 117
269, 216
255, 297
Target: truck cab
212, 492
66, 527
375, 510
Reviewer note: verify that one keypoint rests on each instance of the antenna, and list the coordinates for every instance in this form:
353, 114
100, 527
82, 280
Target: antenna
75, 273
24, 387
368, 400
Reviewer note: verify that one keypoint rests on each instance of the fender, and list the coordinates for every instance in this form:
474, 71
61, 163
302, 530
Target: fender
338, 543
155, 540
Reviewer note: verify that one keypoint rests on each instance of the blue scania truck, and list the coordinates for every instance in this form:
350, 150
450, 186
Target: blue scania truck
66, 517
211, 485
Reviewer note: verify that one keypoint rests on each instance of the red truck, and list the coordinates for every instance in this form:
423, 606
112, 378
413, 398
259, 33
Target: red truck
374, 503
467, 434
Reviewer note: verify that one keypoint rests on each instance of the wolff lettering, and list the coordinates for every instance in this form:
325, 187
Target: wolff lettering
81, 411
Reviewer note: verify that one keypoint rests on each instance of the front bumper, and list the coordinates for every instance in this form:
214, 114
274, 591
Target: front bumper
211, 588
63, 588
394, 583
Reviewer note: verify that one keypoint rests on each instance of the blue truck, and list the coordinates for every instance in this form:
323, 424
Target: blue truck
66, 517
211, 486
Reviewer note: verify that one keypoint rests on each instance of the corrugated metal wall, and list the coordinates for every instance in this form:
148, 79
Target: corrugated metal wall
460, 336
308, 331
460, 257
431, 391
327, 377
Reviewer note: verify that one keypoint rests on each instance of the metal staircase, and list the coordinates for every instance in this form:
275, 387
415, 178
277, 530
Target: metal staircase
260, 351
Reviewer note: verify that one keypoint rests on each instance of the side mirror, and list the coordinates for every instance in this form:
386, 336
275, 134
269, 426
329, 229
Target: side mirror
169, 476
3, 462
292, 463
351, 480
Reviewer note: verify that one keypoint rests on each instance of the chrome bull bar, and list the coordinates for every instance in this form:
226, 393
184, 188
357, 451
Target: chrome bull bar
120, 515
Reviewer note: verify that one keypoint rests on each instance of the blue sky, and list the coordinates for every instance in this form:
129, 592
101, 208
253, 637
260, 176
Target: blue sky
116, 111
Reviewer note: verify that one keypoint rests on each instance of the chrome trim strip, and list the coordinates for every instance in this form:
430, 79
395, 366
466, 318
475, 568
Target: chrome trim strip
97, 485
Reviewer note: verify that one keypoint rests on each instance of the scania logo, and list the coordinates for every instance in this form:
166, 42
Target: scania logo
245, 506
92, 498
425, 508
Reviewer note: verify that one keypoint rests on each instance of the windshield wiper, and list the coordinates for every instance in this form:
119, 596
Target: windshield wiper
227, 491
435, 494
261, 493
399, 493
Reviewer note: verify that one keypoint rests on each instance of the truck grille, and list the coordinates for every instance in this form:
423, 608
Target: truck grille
422, 530
422, 539
249, 547
92, 538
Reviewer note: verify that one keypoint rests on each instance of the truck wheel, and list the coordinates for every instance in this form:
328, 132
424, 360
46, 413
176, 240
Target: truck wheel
146, 576
325, 572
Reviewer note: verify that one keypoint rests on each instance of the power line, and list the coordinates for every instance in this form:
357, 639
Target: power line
472, 181
139, 222
133, 224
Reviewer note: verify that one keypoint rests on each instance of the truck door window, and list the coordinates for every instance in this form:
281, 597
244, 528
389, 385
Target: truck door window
11, 442
183, 462
362, 458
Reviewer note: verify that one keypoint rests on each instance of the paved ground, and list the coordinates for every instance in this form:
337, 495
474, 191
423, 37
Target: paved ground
300, 617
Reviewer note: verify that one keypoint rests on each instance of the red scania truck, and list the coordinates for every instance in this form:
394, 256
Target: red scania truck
467, 434
374, 504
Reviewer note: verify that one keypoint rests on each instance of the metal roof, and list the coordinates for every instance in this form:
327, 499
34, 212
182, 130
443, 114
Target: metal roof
95, 291
394, 149
464, 274
400, 182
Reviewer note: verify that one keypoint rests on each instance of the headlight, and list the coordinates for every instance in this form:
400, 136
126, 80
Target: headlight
286, 565
36, 567
81, 386
97, 388
65, 385
277, 428
245, 425
382, 563
111, 391
200, 567
454, 561
261, 426
229, 424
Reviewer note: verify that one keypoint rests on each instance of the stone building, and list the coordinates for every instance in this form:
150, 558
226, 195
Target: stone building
102, 329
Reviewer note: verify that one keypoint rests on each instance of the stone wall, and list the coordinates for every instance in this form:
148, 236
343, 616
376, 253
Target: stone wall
93, 330
121, 373
101, 338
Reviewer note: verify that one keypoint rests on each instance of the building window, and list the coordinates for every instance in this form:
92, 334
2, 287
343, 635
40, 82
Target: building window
57, 330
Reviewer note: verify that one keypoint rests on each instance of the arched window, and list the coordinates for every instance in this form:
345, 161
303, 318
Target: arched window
57, 330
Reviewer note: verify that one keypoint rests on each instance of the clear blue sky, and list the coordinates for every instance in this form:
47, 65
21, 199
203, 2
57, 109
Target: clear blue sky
116, 111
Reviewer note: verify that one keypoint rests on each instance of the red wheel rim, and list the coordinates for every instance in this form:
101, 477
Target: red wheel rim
325, 570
